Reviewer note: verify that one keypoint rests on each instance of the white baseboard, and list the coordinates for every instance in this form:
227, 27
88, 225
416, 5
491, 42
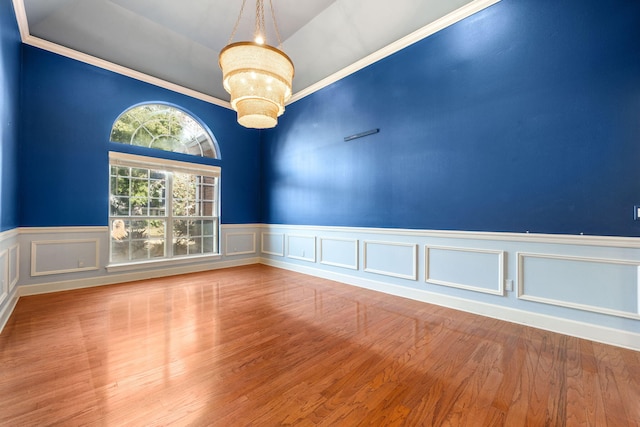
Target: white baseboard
573, 328
7, 309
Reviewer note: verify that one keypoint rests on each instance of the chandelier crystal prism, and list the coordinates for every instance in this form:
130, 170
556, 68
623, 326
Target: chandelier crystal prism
257, 76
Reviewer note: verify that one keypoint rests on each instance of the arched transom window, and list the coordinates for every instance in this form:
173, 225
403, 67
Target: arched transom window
163, 127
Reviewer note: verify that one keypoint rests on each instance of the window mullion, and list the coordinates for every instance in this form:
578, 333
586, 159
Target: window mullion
168, 201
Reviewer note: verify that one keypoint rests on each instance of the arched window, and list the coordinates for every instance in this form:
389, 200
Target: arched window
162, 209
163, 127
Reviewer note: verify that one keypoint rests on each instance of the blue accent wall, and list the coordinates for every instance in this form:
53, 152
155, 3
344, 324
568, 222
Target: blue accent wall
68, 109
523, 117
9, 106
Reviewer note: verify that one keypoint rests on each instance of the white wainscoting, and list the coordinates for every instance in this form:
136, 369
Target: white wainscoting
272, 244
301, 247
479, 270
64, 256
14, 266
339, 252
608, 286
393, 259
9, 273
584, 286
4, 275
240, 243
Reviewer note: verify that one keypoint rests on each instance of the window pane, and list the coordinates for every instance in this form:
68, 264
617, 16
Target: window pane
156, 207
181, 228
119, 206
207, 228
180, 246
184, 191
139, 206
195, 228
121, 186
139, 250
156, 188
195, 246
207, 245
181, 236
122, 171
120, 251
138, 229
139, 187
156, 229
207, 209
157, 248
139, 173
119, 240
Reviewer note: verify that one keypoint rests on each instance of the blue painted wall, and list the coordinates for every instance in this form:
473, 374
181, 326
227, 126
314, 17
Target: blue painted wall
9, 106
68, 108
523, 117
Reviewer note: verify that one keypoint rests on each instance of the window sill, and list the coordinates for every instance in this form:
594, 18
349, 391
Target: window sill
130, 266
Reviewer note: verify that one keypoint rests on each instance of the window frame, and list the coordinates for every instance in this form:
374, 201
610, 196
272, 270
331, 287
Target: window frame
172, 166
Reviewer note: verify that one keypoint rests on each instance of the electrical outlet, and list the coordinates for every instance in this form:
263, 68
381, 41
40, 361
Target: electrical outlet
80, 263
636, 212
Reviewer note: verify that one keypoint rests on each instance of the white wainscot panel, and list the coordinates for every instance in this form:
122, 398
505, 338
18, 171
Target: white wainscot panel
240, 243
273, 244
477, 270
14, 266
606, 286
391, 259
4, 275
64, 256
301, 247
339, 252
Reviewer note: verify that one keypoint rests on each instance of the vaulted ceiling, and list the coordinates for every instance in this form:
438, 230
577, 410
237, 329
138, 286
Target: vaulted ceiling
176, 43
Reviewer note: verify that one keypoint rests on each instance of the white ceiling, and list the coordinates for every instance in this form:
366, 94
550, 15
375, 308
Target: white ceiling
176, 43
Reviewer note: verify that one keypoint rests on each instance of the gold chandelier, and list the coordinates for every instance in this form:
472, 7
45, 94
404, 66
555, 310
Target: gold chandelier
257, 76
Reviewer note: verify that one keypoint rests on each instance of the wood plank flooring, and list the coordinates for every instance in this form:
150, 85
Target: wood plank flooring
262, 346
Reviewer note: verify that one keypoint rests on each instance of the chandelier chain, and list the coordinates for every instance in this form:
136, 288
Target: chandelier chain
235, 27
260, 27
260, 30
275, 24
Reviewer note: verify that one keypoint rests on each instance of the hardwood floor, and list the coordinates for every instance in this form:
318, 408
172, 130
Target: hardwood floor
261, 346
